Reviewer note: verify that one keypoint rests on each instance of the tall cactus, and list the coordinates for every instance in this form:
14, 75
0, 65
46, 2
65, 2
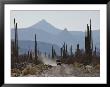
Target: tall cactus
95, 51
29, 59
77, 47
88, 40
66, 50
61, 50
52, 52
71, 53
36, 56
28, 55
16, 42
77, 51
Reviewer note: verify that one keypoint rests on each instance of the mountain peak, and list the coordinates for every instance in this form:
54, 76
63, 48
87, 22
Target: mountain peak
45, 26
43, 20
40, 24
65, 29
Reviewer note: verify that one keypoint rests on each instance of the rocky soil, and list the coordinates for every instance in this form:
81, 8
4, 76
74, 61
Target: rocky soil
63, 70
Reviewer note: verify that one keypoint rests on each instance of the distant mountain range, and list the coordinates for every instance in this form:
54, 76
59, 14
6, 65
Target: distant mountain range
47, 34
26, 45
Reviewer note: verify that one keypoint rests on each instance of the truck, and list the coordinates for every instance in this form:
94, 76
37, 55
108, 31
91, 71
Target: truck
58, 62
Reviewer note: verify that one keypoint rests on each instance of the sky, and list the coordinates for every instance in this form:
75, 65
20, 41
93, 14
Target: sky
72, 20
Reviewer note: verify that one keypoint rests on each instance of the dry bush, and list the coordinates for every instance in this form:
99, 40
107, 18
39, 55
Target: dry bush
76, 64
15, 72
34, 69
89, 68
97, 66
29, 70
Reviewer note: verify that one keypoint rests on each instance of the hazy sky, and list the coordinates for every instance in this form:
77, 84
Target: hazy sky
72, 20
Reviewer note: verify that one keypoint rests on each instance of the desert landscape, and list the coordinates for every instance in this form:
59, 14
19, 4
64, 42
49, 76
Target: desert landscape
42, 50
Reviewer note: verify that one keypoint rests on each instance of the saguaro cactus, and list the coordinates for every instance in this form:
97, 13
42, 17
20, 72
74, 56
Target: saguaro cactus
61, 51
66, 50
95, 51
77, 51
36, 56
71, 53
16, 42
88, 40
52, 52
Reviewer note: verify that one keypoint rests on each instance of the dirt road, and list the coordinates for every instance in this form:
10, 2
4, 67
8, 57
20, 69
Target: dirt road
66, 71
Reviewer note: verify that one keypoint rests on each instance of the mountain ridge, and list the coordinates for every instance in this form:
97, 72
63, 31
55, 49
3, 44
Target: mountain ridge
55, 36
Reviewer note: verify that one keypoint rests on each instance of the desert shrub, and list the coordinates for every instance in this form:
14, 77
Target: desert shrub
97, 66
76, 64
29, 70
34, 69
88, 69
15, 72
